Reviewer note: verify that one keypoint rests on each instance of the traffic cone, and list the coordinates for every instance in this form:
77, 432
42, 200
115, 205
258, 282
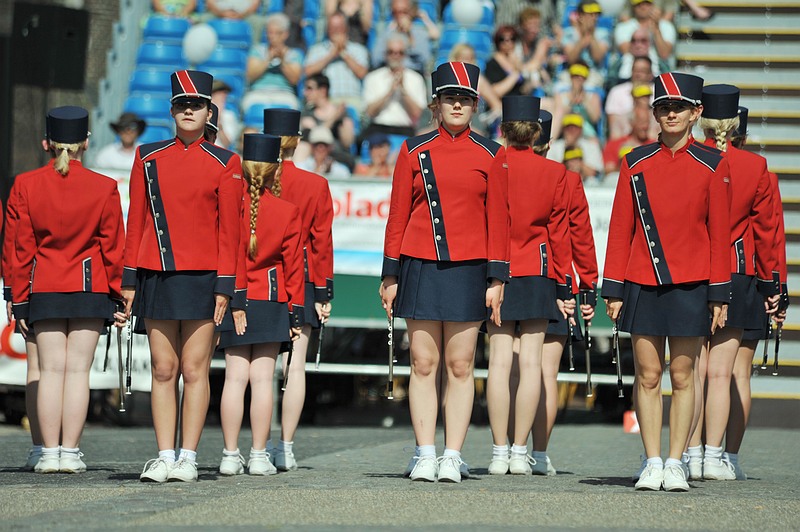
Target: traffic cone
630, 425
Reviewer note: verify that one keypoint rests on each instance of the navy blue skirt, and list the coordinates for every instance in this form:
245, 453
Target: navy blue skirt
183, 295
309, 312
442, 290
672, 310
759, 333
86, 305
267, 322
561, 327
746, 309
530, 298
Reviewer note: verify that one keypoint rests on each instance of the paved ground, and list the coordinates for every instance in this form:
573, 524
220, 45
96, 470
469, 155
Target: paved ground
350, 479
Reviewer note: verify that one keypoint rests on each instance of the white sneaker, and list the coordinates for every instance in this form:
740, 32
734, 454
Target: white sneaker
636, 476
651, 478
426, 468
695, 468
284, 460
464, 470
156, 470
675, 478
498, 465
71, 463
449, 468
183, 471
716, 469
48, 463
410, 467
231, 465
261, 465
520, 464
544, 467
33, 459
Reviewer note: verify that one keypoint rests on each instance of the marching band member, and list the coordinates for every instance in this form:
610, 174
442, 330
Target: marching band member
267, 303
311, 194
66, 269
186, 198
540, 258
743, 366
584, 263
212, 126
446, 256
752, 263
667, 266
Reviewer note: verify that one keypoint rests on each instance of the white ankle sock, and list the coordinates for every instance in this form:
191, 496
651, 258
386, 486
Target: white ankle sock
167, 455
186, 454
695, 452
226, 452
672, 462
519, 449
451, 452
258, 454
656, 461
68, 451
426, 450
713, 452
285, 446
499, 451
51, 451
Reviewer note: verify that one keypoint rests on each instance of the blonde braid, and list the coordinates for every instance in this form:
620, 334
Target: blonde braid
63, 153
258, 174
276, 182
719, 128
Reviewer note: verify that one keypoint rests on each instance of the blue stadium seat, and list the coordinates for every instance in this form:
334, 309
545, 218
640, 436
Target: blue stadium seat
156, 133
312, 10
165, 29
232, 33
234, 78
274, 6
158, 54
155, 111
480, 40
150, 81
228, 58
309, 32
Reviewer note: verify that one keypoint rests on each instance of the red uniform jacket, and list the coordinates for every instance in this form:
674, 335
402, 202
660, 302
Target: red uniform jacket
584, 257
537, 203
752, 218
780, 239
311, 194
184, 213
68, 234
669, 223
276, 272
449, 202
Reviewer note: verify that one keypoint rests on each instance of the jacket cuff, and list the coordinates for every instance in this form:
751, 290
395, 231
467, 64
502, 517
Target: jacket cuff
390, 267
768, 287
589, 297
297, 317
783, 304
612, 288
324, 293
720, 292
498, 269
7, 293
21, 310
225, 285
563, 292
239, 300
128, 277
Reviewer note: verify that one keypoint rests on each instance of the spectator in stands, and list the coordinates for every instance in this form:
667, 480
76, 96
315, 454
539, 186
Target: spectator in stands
505, 70
247, 10
616, 149
573, 160
662, 33
619, 103
120, 154
578, 100
320, 111
295, 11
622, 68
572, 137
508, 12
343, 61
273, 69
174, 8
669, 8
420, 35
230, 126
584, 41
359, 14
379, 152
321, 160
395, 96
534, 45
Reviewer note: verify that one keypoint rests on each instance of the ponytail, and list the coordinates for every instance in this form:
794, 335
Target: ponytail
521, 134
257, 174
63, 154
719, 128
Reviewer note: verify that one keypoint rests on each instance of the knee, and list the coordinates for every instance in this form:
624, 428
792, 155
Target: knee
649, 379
460, 369
194, 373
681, 378
165, 371
423, 366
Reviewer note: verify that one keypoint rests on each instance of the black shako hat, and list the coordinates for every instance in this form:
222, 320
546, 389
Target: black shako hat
67, 125
521, 108
213, 119
546, 121
741, 131
282, 122
261, 148
677, 86
191, 84
456, 78
720, 101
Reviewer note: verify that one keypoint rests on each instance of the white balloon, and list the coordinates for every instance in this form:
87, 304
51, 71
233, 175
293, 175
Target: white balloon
612, 8
467, 12
199, 42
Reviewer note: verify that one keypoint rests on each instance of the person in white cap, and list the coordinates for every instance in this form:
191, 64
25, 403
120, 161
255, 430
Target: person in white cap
321, 162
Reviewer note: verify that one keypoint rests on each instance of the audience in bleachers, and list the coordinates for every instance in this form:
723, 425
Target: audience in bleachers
505, 70
321, 160
639, 124
585, 41
230, 127
508, 12
378, 162
534, 45
578, 99
120, 154
319, 110
175, 8
640, 45
405, 18
620, 99
572, 137
662, 33
359, 14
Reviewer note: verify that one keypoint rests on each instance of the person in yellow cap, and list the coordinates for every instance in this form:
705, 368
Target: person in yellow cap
579, 99
620, 100
573, 159
572, 137
583, 40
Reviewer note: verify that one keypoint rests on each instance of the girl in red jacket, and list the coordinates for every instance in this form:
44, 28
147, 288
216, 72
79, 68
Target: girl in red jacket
67, 268
267, 306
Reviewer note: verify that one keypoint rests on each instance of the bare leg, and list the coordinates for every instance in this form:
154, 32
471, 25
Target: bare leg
81, 343
425, 339
548, 401
501, 356
513, 386
51, 338
237, 375
700, 372
724, 345
648, 355
530, 383
262, 370
196, 340
459, 356
740, 396
683, 353
295, 395
32, 388
163, 339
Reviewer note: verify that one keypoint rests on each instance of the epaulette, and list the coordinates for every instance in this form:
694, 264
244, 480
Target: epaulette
488, 145
146, 150
415, 142
640, 153
220, 154
705, 156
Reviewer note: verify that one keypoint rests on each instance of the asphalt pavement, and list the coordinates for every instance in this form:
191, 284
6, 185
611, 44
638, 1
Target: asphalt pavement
350, 478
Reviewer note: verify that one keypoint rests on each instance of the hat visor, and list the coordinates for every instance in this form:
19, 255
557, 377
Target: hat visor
666, 100
455, 91
189, 98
